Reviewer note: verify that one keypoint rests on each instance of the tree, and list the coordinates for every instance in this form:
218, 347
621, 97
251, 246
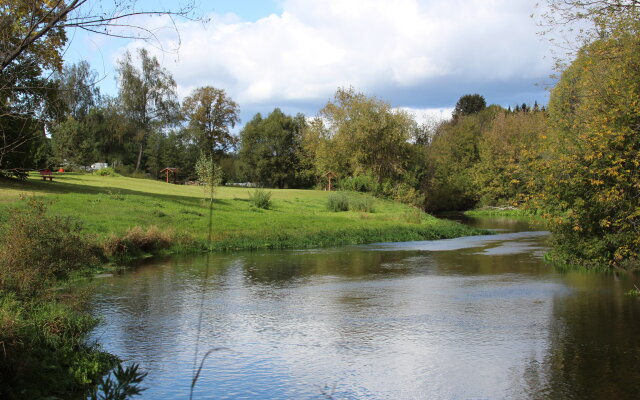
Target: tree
583, 22
22, 143
36, 29
592, 175
174, 149
33, 34
74, 139
469, 104
355, 134
452, 159
72, 144
93, 138
211, 113
24, 94
77, 90
147, 97
270, 149
509, 151
209, 173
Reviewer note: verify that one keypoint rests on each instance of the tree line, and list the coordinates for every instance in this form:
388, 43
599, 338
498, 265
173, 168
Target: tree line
141, 130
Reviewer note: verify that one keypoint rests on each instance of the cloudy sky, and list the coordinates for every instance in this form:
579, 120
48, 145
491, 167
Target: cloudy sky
417, 54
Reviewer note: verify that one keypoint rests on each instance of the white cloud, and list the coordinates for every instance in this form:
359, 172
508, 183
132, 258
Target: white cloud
429, 115
304, 53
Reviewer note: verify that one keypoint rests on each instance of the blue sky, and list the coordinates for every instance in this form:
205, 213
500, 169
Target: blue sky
248, 10
421, 55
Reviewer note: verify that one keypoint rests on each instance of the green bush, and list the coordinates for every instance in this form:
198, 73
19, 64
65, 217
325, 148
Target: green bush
121, 384
108, 171
406, 194
338, 202
362, 203
359, 183
44, 332
45, 352
37, 248
260, 198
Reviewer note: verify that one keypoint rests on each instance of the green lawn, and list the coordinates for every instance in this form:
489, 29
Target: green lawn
298, 218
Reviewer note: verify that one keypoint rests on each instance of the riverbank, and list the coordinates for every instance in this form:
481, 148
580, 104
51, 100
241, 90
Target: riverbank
56, 234
127, 216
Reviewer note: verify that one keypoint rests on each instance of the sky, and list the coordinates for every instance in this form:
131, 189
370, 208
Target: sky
419, 55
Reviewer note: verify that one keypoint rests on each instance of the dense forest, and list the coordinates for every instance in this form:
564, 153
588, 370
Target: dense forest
573, 161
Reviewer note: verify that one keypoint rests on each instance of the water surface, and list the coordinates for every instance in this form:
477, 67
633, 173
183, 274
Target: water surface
469, 318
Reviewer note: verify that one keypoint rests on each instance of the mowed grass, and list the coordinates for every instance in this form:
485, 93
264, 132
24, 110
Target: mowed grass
110, 206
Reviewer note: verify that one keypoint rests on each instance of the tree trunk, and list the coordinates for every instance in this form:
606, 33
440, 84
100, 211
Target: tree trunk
139, 157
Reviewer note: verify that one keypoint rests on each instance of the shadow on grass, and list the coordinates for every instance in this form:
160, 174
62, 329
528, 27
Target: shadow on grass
59, 186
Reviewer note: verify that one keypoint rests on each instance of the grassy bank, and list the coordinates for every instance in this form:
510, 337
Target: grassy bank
54, 234
113, 208
44, 323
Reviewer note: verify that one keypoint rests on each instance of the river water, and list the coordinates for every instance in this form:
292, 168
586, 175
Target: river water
469, 318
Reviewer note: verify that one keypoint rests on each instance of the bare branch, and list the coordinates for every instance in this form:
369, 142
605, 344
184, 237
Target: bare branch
44, 19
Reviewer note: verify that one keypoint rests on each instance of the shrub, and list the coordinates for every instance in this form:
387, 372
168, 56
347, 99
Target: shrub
359, 183
260, 198
122, 383
108, 171
43, 332
138, 239
386, 189
14, 174
362, 203
337, 202
208, 173
406, 194
45, 352
37, 248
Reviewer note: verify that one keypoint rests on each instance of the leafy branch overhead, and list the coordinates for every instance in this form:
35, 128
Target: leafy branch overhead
37, 28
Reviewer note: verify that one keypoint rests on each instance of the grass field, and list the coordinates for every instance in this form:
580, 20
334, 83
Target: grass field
110, 206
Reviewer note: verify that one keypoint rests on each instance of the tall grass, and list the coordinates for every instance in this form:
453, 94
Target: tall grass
341, 201
260, 198
337, 202
362, 203
137, 240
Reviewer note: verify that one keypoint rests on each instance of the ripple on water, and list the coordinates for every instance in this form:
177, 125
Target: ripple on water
476, 317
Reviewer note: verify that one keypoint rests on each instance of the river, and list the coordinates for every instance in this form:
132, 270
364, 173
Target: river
470, 318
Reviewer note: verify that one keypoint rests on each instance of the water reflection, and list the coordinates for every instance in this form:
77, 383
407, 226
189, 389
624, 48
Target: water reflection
594, 350
476, 317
